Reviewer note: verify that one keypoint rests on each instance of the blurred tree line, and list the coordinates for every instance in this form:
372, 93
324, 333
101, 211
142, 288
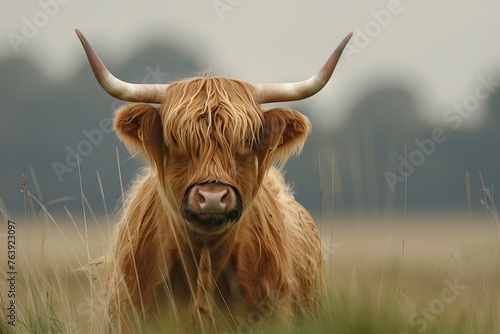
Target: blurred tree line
368, 165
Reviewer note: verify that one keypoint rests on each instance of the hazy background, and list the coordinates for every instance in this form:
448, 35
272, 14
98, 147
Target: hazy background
408, 65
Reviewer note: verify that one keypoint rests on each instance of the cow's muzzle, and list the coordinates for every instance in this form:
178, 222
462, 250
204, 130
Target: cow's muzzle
211, 204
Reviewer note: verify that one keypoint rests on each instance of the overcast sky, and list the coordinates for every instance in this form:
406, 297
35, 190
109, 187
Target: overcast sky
440, 47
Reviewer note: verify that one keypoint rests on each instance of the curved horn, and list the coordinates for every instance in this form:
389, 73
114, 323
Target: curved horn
121, 90
266, 93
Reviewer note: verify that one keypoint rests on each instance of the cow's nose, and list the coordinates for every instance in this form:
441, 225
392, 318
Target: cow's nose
212, 201
211, 204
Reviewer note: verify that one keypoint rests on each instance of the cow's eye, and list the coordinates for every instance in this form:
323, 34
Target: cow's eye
246, 147
252, 143
249, 143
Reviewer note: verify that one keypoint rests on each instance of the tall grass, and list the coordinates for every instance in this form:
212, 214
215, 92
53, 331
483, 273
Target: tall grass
385, 277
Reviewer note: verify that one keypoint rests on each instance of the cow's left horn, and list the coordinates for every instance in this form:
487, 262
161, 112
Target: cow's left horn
266, 93
153, 93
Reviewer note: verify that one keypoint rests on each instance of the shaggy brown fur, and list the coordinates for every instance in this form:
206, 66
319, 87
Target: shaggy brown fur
268, 264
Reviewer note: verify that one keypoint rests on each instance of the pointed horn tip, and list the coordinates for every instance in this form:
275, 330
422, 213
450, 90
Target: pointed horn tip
84, 41
153, 93
268, 93
95, 62
79, 34
346, 40
340, 48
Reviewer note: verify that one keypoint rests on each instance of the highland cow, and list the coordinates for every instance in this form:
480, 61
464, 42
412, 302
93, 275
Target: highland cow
210, 228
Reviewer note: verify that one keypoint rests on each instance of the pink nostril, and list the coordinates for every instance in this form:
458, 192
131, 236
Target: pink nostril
200, 199
212, 201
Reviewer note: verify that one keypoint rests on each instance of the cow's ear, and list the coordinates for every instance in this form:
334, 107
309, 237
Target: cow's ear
284, 134
139, 126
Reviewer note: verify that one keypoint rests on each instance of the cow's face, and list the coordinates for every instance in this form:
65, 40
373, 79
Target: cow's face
209, 141
211, 145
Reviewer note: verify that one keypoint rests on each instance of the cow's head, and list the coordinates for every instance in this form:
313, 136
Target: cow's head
208, 139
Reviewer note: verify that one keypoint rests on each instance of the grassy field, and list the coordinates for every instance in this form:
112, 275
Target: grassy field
423, 275
399, 275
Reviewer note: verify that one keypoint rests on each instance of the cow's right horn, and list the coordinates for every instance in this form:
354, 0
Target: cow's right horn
282, 92
153, 93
